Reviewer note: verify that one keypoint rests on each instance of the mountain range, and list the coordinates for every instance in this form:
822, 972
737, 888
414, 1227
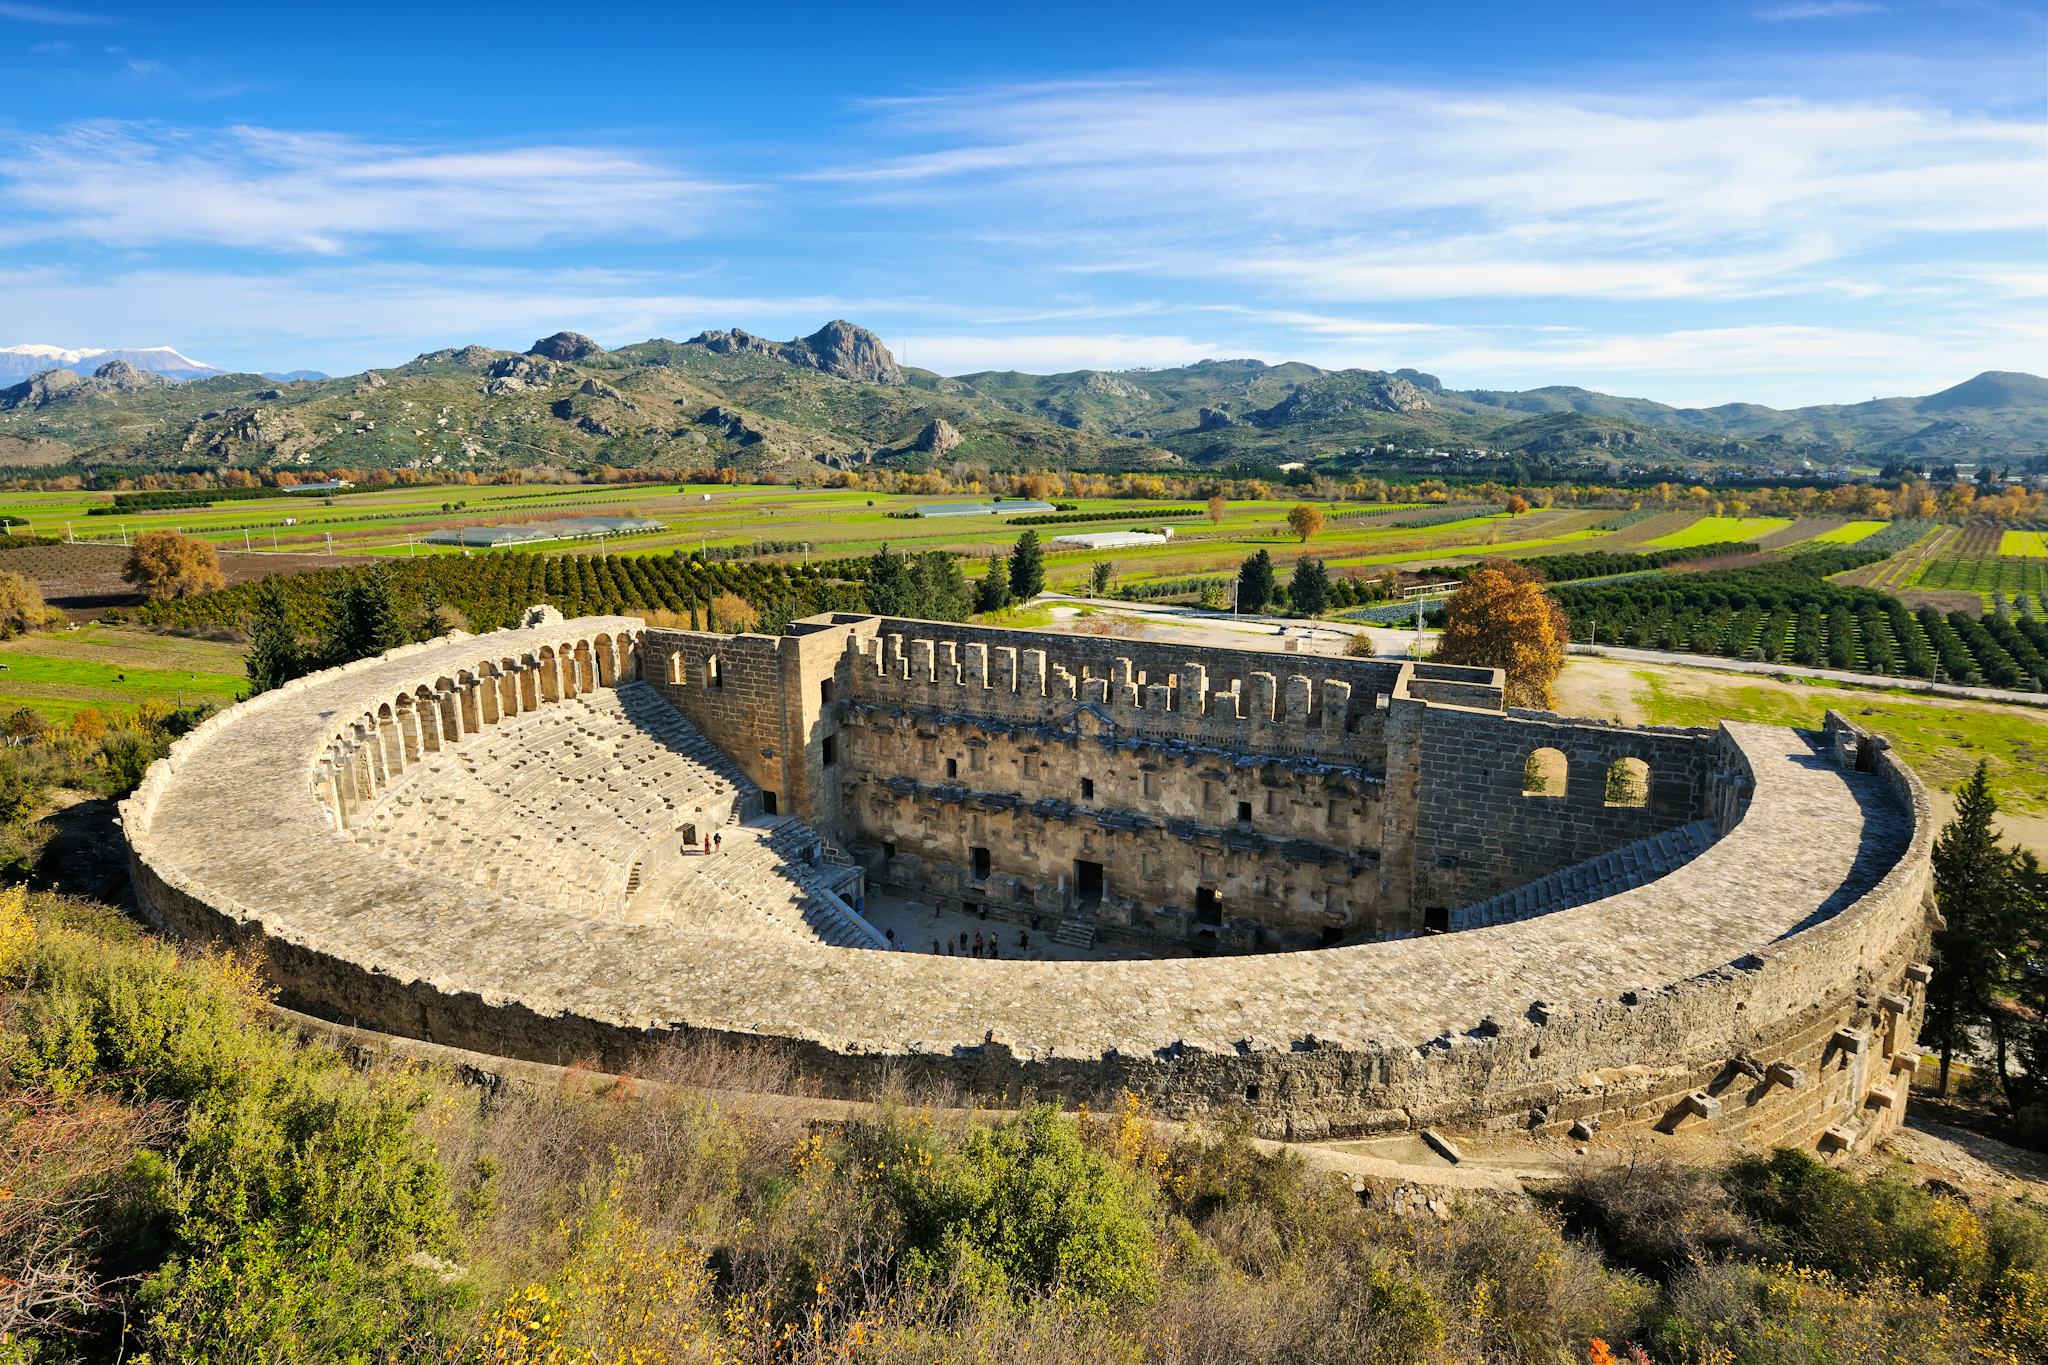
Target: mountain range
838, 398
21, 362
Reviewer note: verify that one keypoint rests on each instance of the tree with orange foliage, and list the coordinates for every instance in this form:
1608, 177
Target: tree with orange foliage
1502, 618
1305, 520
164, 565
1218, 505
1517, 504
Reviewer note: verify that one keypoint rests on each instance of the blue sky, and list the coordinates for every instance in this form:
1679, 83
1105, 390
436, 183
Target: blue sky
1788, 201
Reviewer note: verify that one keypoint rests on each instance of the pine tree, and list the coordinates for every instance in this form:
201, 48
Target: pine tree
1255, 582
994, 593
2029, 977
1974, 887
366, 621
274, 654
892, 590
1310, 588
1027, 568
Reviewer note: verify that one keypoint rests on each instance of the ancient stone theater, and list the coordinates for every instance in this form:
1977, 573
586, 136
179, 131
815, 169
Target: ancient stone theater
1347, 896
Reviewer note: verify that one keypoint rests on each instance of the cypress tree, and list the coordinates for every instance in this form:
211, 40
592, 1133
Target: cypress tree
274, 654
1027, 568
1310, 587
1255, 582
366, 621
1974, 884
994, 593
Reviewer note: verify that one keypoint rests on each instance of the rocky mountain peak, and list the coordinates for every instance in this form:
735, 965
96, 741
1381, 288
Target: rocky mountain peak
838, 348
570, 346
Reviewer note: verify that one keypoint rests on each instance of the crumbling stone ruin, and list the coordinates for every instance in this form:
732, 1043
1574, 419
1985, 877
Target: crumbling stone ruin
1346, 895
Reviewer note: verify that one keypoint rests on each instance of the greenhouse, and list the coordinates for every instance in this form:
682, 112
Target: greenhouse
526, 533
1011, 508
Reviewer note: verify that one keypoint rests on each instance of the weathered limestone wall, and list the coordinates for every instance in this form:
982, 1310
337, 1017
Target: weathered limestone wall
1476, 832
1161, 821
731, 687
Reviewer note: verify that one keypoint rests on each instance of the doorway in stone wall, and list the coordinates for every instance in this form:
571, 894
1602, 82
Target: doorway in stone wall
689, 836
1087, 884
1208, 907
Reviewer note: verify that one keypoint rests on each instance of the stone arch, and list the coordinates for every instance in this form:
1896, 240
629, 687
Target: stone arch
508, 688
712, 676
426, 710
1628, 782
678, 669
550, 674
450, 699
407, 722
528, 669
475, 697
607, 662
1546, 772
586, 674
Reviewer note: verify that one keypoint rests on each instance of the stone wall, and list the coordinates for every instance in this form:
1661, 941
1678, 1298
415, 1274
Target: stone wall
1476, 832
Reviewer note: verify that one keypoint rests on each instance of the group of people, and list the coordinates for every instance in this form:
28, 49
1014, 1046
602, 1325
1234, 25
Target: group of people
991, 946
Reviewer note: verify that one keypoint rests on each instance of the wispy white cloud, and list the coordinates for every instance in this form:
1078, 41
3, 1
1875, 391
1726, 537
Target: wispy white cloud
45, 14
136, 185
1819, 9
1362, 192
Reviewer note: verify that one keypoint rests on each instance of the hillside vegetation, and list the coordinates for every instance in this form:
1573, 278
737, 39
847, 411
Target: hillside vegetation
186, 1183
838, 399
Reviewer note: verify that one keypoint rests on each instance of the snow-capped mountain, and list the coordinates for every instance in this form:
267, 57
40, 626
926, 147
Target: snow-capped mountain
19, 362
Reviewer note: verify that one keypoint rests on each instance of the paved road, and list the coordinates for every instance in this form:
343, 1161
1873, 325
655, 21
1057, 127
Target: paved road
1654, 656
1392, 642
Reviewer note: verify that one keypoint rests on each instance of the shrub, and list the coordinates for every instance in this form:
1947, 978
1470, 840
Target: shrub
1017, 1209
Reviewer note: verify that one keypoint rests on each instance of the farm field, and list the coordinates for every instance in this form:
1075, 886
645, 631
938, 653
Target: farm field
1975, 562
832, 522
2025, 544
1849, 533
1940, 738
1710, 530
113, 670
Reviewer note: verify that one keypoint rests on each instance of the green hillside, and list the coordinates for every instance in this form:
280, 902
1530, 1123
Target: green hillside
837, 399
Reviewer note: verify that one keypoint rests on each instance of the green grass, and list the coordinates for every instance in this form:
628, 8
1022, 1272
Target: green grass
1848, 533
1941, 740
112, 669
2024, 544
1710, 530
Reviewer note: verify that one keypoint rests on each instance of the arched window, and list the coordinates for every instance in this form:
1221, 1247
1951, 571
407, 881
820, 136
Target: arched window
1628, 782
1544, 773
712, 677
678, 672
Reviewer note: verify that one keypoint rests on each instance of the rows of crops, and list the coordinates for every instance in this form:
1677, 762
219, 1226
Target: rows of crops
1789, 613
491, 591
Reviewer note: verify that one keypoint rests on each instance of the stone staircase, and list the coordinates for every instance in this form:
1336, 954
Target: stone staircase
1609, 874
1075, 931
